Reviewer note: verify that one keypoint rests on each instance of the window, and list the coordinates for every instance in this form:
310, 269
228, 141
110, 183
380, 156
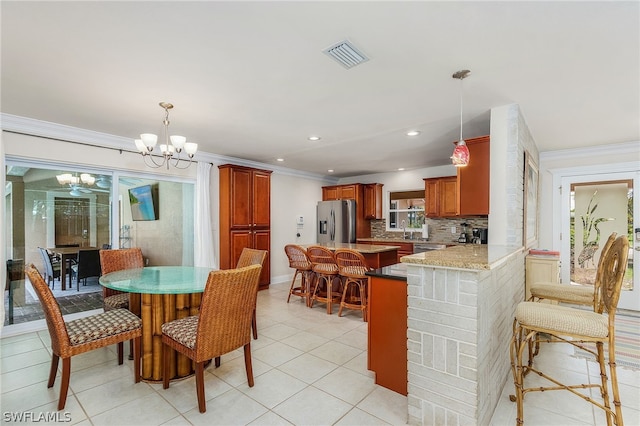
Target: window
406, 210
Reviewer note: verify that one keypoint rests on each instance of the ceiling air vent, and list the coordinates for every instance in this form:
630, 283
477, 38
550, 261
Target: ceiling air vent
346, 54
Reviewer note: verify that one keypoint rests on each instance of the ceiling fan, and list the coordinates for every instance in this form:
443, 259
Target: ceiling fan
82, 184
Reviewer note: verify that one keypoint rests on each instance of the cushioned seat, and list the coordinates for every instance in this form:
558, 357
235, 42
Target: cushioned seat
573, 294
84, 334
117, 301
223, 325
562, 324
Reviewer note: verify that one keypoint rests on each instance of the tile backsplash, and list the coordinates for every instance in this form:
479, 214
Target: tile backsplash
439, 228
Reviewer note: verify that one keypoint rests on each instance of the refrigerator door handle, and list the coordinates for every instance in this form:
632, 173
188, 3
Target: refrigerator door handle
332, 225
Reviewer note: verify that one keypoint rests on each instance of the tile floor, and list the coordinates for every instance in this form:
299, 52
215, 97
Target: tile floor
309, 368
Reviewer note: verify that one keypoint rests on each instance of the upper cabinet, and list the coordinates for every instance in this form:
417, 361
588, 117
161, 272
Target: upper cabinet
340, 192
441, 197
368, 202
473, 179
373, 201
466, 194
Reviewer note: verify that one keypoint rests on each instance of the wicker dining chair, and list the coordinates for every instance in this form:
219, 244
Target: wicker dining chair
223, 325
117, 260
576, 295
327, 288
352, 267
84, 334
574, 326
299, 260
250, 257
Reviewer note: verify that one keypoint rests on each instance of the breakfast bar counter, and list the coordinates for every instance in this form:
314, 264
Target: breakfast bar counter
376, 256
460, 308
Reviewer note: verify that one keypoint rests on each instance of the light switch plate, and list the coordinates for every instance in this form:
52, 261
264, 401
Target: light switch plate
453, 230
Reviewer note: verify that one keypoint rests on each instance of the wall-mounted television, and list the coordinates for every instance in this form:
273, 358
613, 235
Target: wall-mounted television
144, 202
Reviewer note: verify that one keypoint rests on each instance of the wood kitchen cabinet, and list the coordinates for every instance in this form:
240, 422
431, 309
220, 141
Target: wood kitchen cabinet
387, 333
245, 215
467, 193
473, 179
354, 191
441, 197
373, 201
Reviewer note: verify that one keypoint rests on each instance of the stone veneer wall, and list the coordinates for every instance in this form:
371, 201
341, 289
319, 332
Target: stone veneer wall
459, 327
439, 229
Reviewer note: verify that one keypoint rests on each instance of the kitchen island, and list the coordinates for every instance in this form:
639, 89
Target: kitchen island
461, 303
387, 331
376, 256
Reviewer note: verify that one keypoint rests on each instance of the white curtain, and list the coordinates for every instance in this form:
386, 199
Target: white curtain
203, 241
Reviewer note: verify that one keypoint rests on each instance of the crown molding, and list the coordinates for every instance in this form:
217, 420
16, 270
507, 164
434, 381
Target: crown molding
45, 129
622, 149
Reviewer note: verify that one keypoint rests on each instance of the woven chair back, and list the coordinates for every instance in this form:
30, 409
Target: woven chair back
55, 322
298, 258
226, 310
611, 273
351, 263
597, 282
117, 260
322, 260
250, 257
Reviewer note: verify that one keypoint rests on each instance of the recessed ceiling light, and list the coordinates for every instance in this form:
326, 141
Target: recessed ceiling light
400, 169
314, 138
413, 133
279, 159
330, 170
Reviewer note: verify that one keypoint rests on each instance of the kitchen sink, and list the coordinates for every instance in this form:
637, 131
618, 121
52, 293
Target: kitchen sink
422, 247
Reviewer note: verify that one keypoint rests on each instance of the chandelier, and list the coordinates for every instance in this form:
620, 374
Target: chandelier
460, 156
76, 183
170, 147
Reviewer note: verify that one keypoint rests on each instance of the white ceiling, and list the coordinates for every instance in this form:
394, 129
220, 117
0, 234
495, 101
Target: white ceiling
249, 79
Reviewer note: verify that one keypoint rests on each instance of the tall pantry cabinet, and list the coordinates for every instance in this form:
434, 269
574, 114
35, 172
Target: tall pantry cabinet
245, 215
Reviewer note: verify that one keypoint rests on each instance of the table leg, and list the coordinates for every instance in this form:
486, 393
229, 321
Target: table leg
156, 309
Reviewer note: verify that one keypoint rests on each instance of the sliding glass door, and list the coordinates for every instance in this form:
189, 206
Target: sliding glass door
53, 207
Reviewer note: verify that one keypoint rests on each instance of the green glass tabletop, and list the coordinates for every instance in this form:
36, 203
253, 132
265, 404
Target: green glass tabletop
158, 280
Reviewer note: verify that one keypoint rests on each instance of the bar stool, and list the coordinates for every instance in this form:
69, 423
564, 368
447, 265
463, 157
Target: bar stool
324, 266
576, 327
352, 267
299, 260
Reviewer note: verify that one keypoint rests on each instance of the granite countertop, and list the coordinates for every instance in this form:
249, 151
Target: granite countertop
401, 240
362, 248
394, 272
468, 256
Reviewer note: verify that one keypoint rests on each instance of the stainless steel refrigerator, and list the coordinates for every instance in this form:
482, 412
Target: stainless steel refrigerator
337, 221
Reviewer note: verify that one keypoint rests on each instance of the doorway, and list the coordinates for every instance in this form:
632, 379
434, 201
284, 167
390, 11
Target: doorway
594, 206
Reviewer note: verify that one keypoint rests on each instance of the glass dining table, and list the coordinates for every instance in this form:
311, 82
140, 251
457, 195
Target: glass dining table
160, 294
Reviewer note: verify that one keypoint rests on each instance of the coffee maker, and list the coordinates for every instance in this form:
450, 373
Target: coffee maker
479, 235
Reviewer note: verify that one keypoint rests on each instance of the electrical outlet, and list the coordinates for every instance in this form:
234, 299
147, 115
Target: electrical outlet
453, 230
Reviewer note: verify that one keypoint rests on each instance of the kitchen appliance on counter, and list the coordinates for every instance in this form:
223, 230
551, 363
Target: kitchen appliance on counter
480, 235
463, 235
336, 221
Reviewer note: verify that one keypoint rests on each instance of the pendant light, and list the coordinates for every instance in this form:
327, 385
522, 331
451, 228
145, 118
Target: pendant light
460, 156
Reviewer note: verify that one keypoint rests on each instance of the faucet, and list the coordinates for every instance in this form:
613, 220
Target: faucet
403, 225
